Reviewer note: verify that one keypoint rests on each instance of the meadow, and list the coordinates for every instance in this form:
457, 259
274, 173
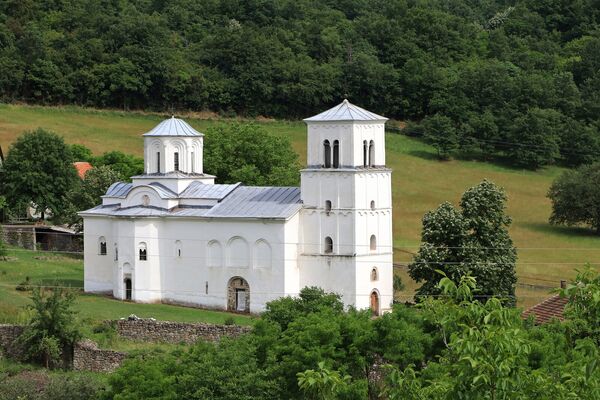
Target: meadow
547, 254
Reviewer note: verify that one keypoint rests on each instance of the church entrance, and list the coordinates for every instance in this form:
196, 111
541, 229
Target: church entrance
374, 303
128, 288
238, 295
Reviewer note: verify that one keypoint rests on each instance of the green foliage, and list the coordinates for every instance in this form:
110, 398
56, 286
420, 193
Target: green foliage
471, 241
247, 153
52, 328
38, 170
322, 384
81, 153
441, 133
575, 197
583, 308
125, 165
86, 194
2, 244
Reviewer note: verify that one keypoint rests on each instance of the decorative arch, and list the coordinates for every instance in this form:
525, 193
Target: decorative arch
373, 243
371, 153
178, 248
326, 154
373, 205
328, 245
143, 251
237, 252
262, 254
102, 245
336, 154
155, 157
374, 274
327, 206
178, 149
374, 302
215, 254
238, 295
365, 152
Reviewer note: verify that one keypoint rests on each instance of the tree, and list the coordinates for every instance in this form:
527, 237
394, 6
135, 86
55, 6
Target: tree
472, 240
247, 153
440, 131
535, 136
125, 165
87, 193
52, 329
322, 384
38, 171
575, 197
2, 244
81, 153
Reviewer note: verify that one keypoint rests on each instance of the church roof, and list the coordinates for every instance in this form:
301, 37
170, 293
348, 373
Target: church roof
258, 202
173, 127
199, 190
346, 111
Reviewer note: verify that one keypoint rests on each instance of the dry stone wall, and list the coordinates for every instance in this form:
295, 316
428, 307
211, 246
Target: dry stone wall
8, 340
88, 357
176, 332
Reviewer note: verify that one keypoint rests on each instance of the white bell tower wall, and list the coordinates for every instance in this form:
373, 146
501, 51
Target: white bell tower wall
160, 154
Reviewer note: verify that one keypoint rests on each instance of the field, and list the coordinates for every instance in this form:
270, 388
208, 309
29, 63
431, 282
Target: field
547, 253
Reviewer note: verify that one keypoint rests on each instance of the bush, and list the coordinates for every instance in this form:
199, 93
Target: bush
229, 321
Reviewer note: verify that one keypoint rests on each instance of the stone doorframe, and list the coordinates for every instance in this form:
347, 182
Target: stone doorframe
233, 286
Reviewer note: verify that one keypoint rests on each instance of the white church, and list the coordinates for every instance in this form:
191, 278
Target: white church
174, 236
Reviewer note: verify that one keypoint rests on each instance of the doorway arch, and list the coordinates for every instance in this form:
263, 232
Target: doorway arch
128, 287
238, 295
374, 302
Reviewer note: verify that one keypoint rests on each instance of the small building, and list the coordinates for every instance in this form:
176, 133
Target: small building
173, 235
544, 312
82, 167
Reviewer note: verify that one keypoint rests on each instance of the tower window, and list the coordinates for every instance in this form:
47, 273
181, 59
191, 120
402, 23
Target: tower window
102, 245
336, 154
176, 161
178, 248
193, 163
328, 245
374, 274
116, 252
327, 154
143, 252
371, 153
372, 204
327, 205
158, 162
365, 152
373, 243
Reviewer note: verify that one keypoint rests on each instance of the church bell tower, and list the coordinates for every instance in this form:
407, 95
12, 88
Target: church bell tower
346, 217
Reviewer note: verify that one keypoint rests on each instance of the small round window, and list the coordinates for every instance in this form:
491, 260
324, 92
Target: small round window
145, 200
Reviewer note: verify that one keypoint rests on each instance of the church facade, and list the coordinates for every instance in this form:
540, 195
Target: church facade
173, 235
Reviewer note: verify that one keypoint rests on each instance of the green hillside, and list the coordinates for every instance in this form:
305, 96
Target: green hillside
547, 254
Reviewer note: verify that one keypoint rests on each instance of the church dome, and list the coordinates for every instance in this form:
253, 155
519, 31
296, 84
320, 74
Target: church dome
173, 127
346, 111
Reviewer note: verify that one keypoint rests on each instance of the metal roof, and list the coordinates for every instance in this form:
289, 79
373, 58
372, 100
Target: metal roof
163, 191
258, 202
173, 127
199, 190
346, 111
118, 189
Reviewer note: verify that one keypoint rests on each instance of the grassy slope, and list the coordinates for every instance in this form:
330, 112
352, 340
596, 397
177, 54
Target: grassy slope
420, 183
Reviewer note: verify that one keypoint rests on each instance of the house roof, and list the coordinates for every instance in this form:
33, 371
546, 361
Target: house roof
118, 189
552, 307
199, 190
346, 111
173, 127
82, 167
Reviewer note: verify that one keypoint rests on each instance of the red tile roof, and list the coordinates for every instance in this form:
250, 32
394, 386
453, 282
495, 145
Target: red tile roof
82, 167
543, 312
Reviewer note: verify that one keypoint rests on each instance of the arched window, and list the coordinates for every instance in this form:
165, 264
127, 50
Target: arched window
178, 248
158, 162
143, 251
102, 245
215, 254
327, 206
365, 152
328, 245
193, 163
116, 252
336, 154
372, 204
145, 200
371, 153
373, 243
327, 154
176, 161
374, 274
237, 252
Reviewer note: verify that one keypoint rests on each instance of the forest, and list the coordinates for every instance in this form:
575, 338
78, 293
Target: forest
517, 80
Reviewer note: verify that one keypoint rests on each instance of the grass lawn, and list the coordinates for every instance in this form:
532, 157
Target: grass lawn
547, 254
58, 270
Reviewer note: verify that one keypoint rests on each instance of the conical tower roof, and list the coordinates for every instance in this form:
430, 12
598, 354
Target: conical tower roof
173, 127
346, 111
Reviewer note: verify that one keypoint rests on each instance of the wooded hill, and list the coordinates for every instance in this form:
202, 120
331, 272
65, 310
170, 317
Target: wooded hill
516, 79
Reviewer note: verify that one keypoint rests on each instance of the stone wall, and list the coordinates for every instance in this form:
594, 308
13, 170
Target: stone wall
8, 337
88, 357
19, 235
175, 332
